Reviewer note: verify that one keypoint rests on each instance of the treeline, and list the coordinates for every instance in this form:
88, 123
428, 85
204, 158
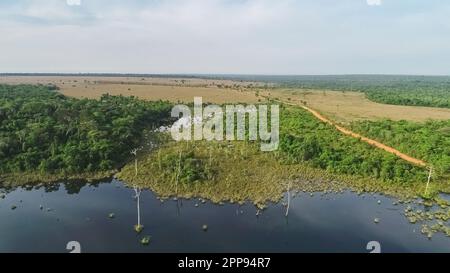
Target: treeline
305, 139
398, 90
429, 141
42, 130
433, 91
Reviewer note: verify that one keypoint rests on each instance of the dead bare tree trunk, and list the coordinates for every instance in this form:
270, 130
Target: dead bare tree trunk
178, 174
134, 152
428, 182
288, 198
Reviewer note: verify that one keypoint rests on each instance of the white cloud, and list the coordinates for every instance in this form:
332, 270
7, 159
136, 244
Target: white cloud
374, 2
74, 2
224, 36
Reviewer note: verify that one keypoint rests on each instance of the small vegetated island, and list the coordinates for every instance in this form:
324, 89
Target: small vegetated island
45, 137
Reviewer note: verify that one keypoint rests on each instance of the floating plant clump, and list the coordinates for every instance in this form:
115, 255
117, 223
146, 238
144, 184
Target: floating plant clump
145, 240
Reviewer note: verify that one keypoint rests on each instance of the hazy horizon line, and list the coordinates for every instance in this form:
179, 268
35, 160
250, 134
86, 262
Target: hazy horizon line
205, 74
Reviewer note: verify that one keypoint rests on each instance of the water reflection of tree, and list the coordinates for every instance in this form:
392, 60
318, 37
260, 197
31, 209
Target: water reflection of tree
138, 227
71, 186
74, 187
288, 197
137, 191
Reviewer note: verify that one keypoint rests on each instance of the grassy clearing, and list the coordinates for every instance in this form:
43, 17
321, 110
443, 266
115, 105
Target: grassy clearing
348, 106
159, 92
239, 172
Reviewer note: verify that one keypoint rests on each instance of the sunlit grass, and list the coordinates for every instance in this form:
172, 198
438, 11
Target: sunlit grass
238, 172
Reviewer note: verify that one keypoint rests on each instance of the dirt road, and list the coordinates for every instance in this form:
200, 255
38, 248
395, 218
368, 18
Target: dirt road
372, 142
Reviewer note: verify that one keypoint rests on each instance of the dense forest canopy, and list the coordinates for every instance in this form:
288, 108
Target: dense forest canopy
42, 130
429, 141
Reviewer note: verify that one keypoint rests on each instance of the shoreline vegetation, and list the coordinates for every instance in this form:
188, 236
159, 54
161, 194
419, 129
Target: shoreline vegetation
238, 172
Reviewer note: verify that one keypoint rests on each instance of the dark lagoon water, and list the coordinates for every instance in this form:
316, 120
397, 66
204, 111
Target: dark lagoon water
319, 223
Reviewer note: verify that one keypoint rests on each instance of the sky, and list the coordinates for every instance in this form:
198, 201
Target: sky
226, 36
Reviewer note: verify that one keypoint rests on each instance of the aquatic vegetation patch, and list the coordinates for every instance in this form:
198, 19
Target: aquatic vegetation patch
145, 240
433, 217
217, 171
240, 172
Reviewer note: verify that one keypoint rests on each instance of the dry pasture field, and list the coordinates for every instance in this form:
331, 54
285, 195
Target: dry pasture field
348, 106
339, 106
155, 92
148, 88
